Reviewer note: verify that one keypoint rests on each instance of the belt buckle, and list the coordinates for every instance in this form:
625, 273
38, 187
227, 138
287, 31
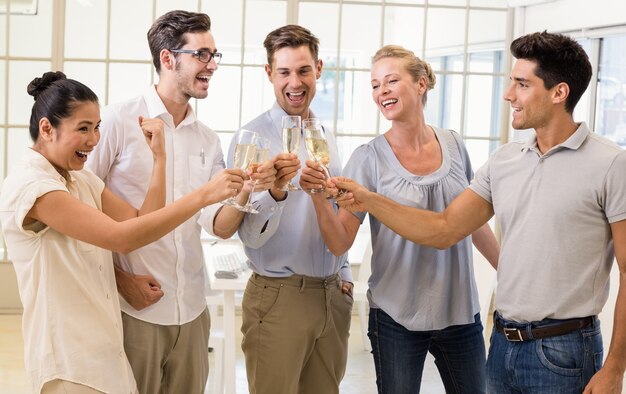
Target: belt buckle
513, 334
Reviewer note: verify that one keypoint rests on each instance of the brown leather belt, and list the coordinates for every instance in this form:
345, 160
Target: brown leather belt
514, 334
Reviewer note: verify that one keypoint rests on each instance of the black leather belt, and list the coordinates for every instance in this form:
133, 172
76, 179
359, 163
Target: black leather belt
514, 334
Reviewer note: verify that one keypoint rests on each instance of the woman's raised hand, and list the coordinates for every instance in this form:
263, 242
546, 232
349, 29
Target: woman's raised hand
154, 131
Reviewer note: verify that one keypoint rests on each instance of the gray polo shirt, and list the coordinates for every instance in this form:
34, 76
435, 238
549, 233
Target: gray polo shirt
555, 210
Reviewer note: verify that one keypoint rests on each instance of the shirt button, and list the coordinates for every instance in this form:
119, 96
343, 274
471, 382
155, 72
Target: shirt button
272, 209
108, 296
121, 354
100, 267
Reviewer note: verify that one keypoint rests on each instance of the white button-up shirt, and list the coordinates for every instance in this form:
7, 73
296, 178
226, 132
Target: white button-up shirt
72, 326
124, 161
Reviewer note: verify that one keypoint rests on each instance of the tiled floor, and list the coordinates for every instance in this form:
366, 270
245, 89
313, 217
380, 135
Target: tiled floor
359, 379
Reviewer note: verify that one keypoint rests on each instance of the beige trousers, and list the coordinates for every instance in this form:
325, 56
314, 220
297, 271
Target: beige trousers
295, 334
168, 359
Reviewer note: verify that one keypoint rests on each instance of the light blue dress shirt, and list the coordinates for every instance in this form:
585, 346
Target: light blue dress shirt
284, 238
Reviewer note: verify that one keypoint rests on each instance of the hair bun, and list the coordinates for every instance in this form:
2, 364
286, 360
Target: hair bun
39, 85
431, 79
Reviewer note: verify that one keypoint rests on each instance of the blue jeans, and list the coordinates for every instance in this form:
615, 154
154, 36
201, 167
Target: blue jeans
560, 364
399, 355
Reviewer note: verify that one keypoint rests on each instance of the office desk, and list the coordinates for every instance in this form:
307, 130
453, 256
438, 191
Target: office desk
229, 287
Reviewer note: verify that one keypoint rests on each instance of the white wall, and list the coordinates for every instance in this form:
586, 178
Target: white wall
568, 15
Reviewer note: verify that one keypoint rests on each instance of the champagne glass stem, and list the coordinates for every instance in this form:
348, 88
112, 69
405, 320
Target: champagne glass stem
340, 192
325, 170
252, 190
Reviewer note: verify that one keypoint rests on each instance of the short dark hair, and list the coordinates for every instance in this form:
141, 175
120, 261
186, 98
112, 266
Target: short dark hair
292, 36
56, 97
168, 31
559, 59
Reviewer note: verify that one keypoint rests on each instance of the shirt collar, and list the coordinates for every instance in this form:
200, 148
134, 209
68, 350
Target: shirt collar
573, 142
36, 159
277, 113
156, 109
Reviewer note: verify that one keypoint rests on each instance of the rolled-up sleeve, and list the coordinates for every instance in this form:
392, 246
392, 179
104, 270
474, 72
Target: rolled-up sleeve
256, 229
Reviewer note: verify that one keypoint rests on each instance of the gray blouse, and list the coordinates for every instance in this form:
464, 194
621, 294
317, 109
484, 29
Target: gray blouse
421, 288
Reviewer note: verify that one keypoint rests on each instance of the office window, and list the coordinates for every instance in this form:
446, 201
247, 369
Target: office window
611, 90
26, 31
467, 59
227, 33
3, 100
85, 22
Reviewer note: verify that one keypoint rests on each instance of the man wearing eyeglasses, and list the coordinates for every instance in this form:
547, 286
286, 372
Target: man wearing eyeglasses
163, 285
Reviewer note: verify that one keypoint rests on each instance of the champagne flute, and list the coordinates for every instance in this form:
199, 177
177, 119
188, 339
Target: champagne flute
316, 146
261, 155
291, 129
244, 152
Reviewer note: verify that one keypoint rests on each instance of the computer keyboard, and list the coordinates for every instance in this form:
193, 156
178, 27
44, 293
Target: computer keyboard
229, 262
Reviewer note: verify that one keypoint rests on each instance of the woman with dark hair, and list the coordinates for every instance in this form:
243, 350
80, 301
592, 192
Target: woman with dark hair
60, 224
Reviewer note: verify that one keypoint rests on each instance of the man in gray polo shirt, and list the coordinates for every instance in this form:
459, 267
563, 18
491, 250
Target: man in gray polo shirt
560, 200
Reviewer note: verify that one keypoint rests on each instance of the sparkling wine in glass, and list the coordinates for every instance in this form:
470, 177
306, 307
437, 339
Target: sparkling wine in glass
261, 155
291, 129
317, 146
245, 148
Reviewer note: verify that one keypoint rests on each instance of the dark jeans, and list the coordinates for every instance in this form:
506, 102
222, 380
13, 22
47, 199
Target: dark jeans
561, 364
399, 355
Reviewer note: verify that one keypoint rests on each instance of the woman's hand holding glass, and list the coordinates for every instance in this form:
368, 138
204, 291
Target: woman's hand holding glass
245, 149
352, 196
225, 184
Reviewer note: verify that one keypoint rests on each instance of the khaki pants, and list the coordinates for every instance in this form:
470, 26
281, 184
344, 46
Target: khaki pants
295, 334
168, 359
59, 386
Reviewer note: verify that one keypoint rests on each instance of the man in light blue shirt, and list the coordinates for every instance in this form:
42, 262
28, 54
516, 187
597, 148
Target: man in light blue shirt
298, 302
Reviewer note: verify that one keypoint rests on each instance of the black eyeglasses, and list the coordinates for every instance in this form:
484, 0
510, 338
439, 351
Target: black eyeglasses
204, 56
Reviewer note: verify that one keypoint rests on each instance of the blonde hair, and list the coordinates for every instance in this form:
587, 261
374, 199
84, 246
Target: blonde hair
414, 65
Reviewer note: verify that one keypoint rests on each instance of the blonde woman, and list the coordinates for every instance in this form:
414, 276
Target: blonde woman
422, 299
